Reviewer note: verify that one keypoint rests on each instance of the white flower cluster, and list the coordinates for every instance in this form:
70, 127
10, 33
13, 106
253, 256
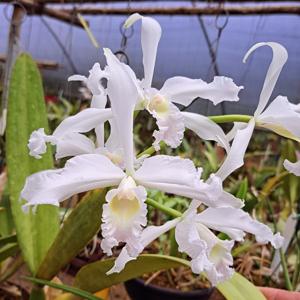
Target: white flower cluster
112, 163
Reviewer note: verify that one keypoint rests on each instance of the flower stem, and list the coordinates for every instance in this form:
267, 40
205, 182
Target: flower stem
169, 211
230, 118
287, 279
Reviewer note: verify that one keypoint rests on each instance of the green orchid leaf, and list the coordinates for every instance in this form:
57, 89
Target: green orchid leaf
8, 250
26, 113
93, 278
239, 288
8, 239
6, 219
77, 230
65, 288
291, 182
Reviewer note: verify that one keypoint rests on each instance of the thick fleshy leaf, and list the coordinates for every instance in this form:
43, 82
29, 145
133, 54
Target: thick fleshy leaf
26, 112
84, 222
150, 36
75, 291
8, 250
93, 278
238, 287
206, 129
278, 61
280, 117
81, 173
124, 95
235, 157
184, 90
234, 222
293, 168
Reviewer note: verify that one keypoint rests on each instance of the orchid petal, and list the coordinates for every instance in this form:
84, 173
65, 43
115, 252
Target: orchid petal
209, 254
235, 157
149, 234
81, 173
293, 168
99, 101
77, 78
184, 90
37, 143
150, 36
281, 117
84, 121
232, 133
234, 222
93, 82
73, 144
205, 128
123, 94
178, 176
171, 128
279, 59
124, 215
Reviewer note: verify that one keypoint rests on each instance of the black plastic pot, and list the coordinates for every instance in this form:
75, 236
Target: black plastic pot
138, 290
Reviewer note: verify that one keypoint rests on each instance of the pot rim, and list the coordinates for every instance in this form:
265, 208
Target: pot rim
173, 291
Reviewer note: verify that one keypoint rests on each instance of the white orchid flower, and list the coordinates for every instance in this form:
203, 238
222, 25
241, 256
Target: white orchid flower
292, 167
99, 98
181, 90
67, 136
124, 214
280, 115
193, 234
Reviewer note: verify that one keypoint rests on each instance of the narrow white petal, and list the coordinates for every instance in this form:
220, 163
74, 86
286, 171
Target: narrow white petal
235, 157
121, 261
84, 121
170, 127
293, 168
288, 234
77, 78
124, 95
178, 176
150, 36
99, 101
206, 129
93, 81
233, 131
80, 174
73, 144
279, 59
148, 235
184, 90
151, 233
281, 117
225, 219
